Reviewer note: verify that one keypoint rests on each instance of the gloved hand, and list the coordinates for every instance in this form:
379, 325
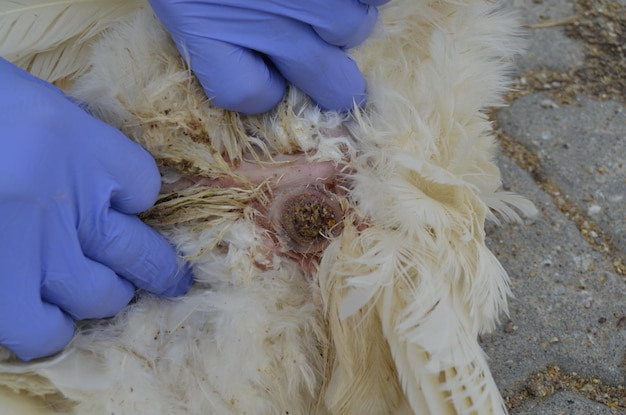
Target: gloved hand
70, 245
240, 50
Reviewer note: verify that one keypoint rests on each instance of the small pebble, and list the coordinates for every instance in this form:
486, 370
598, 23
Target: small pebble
594, 210
548, 103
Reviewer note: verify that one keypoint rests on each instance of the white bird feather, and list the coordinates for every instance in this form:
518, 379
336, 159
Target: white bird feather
51, 39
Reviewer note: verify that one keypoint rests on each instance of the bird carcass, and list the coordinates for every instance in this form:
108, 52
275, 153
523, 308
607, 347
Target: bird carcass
340, 259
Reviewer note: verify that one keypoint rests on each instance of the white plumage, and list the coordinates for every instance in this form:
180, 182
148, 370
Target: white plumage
386, 320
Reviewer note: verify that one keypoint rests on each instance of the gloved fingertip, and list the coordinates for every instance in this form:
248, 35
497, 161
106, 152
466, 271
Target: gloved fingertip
353, 30
43, 337
92, 291
342, 94
248, 97
236, 78
365, 30
183, 280
139, 181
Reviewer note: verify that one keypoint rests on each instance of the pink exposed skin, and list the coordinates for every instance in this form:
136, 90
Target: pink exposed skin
291, 171
291, 180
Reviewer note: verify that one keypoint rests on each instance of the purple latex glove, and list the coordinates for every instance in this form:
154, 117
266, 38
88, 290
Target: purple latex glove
243, 50
71, 246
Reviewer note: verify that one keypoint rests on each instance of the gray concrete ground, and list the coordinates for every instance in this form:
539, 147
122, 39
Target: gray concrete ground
562, 349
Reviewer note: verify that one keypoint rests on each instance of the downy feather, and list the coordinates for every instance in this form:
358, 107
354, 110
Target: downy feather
51, 38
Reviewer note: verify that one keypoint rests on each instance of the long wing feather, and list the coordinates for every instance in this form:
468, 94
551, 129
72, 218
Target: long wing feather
429, 324
50, 38
451, 378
